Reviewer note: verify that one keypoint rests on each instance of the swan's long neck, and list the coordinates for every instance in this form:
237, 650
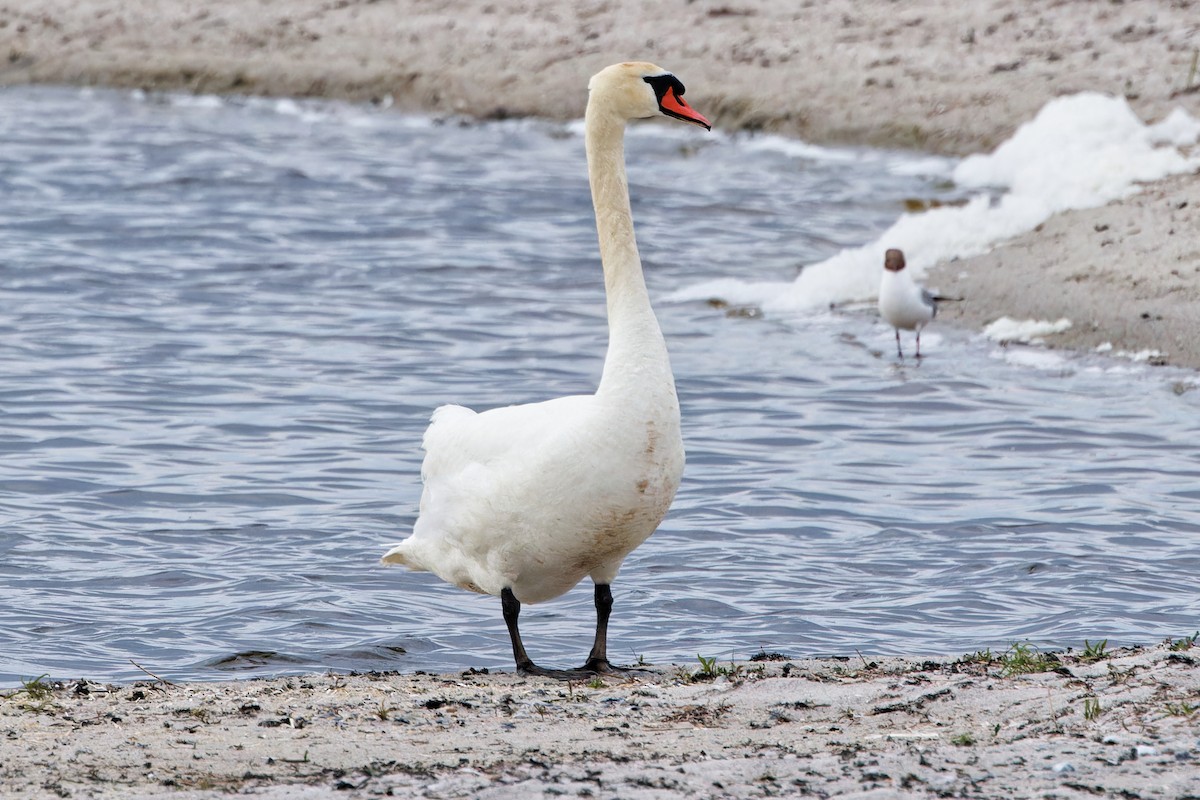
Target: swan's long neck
637, 354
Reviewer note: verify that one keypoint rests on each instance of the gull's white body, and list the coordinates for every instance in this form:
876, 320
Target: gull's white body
903, 303
536, 497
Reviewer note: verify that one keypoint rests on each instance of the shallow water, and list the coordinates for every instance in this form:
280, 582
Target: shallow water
224, 325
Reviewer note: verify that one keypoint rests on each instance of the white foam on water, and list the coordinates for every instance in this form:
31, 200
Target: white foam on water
1034, 358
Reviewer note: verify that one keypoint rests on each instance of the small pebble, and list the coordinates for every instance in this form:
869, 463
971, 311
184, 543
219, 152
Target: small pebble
1146, 750
1064, 766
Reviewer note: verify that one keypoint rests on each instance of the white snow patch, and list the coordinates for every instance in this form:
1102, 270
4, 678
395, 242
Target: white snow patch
1007, 329
1140, 356
1179, 129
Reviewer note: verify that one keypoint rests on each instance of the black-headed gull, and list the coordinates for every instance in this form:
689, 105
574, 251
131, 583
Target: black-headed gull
902, 302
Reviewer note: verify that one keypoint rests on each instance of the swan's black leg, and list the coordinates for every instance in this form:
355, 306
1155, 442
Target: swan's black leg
598, 658
511, 607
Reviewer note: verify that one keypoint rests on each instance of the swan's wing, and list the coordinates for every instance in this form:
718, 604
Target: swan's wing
458, 438
473, 460
474, 464
448, 425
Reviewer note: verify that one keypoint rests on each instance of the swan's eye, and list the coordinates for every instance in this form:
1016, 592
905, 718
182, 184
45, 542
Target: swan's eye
661, 83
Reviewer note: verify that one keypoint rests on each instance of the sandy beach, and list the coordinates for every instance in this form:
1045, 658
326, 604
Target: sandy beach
932, 75
1124, 724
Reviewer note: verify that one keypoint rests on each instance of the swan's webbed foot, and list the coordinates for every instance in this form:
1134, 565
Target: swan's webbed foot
529, 669
592, 669
602, 666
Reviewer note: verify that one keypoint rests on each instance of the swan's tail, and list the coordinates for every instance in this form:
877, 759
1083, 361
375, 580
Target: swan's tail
399, 555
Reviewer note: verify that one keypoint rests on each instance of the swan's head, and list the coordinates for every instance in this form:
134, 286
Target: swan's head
893, 260
638, 89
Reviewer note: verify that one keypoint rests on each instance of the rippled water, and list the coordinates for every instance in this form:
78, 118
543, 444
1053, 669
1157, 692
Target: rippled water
223, 326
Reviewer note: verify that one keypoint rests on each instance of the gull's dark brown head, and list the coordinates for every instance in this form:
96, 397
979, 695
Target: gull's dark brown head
893, 260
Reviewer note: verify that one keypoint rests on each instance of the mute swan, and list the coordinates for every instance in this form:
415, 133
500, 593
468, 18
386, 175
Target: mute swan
902, 302
525, 501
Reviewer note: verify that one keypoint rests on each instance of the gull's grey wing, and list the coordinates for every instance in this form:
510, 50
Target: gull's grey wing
930, 300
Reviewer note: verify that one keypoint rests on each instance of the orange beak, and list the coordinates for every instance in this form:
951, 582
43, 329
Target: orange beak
675, 106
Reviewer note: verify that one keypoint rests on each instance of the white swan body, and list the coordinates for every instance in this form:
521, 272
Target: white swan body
533, 498
902, 301
536, 497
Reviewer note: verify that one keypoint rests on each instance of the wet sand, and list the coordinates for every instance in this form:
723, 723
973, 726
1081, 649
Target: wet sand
1122, 726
